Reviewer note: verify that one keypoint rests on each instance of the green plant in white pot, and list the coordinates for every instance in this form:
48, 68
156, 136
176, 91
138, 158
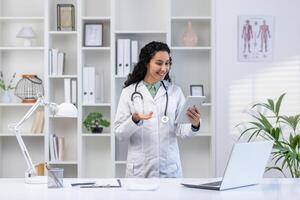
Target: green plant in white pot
282, 129
95, 123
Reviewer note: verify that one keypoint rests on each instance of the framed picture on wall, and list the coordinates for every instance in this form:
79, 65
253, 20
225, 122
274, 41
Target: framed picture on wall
65, 17
196, 90
255, 38
92, 35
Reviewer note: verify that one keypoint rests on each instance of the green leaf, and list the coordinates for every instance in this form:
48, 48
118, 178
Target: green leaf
275, 168
278, 104
271, 104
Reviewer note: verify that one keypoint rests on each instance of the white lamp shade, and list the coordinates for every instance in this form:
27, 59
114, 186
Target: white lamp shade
26, 32
66, 110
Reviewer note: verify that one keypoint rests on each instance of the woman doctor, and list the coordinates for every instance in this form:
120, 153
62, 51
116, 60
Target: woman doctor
148, 106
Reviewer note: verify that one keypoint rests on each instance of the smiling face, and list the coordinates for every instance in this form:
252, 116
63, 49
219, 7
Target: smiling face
158, 67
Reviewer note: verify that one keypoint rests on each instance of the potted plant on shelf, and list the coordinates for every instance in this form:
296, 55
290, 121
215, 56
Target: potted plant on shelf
282, 129
95, 123
5, 96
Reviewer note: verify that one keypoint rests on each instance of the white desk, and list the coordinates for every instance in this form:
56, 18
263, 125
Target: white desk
12, 189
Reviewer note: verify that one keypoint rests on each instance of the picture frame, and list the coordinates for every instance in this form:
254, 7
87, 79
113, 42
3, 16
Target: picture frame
92, 36
65, 17
255, 38
197, 90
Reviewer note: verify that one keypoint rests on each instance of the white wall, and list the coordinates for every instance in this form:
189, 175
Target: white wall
239, 84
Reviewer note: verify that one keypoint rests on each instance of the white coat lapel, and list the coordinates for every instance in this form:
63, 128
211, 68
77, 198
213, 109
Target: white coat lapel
161, 91
144, 91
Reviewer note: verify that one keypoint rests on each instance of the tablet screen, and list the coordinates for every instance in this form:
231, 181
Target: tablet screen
189, 102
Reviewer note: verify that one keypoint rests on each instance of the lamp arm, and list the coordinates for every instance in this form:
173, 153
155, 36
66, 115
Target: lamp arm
15, 127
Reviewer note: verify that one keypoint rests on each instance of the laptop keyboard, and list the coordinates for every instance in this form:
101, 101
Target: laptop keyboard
213, 183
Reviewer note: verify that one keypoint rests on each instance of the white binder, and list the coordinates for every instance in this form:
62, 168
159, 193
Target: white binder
54, 61
120, 57
91, 85
74, 91
100, 87
60, 63
50, 59
85, 85
127, 62
67, 87
134, 52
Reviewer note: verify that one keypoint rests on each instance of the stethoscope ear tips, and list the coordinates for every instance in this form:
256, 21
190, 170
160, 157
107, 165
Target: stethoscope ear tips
164, 119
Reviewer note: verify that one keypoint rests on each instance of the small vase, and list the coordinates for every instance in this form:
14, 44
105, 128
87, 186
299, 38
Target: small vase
189, 37
5, 97
97, 130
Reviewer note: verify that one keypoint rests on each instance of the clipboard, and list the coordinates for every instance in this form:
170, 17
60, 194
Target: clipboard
190, 101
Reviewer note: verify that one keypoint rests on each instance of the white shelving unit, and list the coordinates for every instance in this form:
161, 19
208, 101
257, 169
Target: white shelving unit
101, 155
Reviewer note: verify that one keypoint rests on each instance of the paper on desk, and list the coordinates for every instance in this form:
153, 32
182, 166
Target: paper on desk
142, 186
107, 182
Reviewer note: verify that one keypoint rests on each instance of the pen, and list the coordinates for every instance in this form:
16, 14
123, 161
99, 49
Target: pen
86, 183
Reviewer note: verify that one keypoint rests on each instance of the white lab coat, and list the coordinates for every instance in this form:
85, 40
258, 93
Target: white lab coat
153, 148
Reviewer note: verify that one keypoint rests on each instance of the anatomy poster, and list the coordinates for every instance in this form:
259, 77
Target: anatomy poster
255, 35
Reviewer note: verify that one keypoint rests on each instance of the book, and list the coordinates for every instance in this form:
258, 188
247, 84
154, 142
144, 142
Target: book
61, 143
38, 122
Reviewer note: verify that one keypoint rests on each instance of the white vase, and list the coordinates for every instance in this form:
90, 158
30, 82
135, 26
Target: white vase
189, 37
5, 97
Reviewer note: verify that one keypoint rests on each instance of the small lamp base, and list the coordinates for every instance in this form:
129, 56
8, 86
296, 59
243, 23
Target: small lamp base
27, 43
36, 180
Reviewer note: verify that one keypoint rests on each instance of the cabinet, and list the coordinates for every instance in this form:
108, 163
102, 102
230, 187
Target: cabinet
101, 155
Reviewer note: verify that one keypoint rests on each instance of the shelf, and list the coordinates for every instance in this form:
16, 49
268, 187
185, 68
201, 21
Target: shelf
96, 48
10, 48
190, 48
58, 117
64, 162
97, 104
23, 135
96, 134
206, 18
21, 19
140, 32
120, 77
123, 162
62, 76
96, 18
16, 104
62, 32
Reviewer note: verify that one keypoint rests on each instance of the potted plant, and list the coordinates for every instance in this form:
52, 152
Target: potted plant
94, 122
5, 96
282, 129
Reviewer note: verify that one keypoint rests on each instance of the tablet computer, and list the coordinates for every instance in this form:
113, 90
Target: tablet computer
189, 102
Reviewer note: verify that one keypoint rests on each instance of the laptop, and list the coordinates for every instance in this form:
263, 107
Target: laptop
245, 167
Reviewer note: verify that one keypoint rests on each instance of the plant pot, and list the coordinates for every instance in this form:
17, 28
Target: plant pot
5, 97
97, 130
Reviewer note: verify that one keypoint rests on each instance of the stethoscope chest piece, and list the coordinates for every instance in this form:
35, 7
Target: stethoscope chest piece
164, 119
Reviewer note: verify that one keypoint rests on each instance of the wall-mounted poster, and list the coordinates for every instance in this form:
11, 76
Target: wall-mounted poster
255, 35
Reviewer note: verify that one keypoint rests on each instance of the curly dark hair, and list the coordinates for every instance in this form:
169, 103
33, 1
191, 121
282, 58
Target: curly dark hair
146, 54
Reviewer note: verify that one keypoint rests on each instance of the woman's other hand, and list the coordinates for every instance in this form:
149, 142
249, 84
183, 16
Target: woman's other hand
193, 114
136, 117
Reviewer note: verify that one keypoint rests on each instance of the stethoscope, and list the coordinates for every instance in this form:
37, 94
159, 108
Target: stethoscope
135, 94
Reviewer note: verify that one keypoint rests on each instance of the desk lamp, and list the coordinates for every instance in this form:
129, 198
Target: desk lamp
62, 110
27, 34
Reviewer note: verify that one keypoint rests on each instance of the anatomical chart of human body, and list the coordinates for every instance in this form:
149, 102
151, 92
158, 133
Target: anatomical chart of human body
255, 35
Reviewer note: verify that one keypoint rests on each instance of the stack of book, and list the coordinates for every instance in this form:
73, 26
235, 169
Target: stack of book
56, 147
56, 62
70, 90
